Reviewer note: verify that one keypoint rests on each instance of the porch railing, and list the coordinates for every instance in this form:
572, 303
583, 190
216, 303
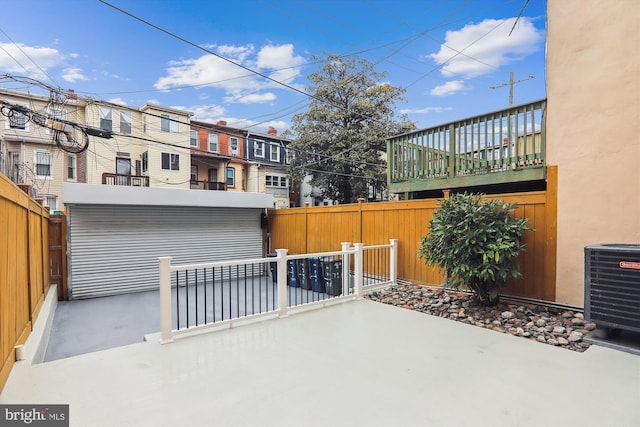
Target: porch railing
221, 294
208, 185
122, 179
479, 149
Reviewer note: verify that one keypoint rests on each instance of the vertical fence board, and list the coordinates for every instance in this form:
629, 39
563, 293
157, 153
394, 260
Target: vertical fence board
24, 268
408, 221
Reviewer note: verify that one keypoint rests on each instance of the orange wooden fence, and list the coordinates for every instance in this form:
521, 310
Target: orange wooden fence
319, 229
24, 268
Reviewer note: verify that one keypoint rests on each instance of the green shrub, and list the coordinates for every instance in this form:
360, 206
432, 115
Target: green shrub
476, 242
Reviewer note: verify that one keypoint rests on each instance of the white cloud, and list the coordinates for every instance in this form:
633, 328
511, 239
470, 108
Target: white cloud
211, 112
236, 53
72, 75
278, 62
426, 110
260, 127
19, 59
449, 88
118, 101
486, 46
252, 98
207, 70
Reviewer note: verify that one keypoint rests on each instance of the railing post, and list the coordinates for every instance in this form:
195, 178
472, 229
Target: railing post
452, 151
166, 334
393, 260
281, 263
345, 268
358, 269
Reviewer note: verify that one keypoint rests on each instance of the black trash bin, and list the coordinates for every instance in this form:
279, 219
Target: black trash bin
315, 274
292, 273
332, 275
303, 273
273, 268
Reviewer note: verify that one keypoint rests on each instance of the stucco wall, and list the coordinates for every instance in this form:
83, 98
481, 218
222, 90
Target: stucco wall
593, 90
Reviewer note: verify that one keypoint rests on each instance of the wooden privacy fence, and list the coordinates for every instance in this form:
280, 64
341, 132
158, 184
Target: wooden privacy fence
24, 268
318, 229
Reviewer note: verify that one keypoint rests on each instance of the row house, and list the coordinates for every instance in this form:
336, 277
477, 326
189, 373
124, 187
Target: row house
28, 153
149, 146
230, 159
217, 157
269, 158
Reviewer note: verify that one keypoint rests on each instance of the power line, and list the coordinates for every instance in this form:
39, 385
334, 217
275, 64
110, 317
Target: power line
28, 57
197, 46
510, 84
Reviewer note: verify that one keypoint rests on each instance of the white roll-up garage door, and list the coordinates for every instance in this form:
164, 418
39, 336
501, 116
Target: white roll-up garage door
115, 249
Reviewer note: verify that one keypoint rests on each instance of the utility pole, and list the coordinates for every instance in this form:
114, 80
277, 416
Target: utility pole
511, 84
511, 138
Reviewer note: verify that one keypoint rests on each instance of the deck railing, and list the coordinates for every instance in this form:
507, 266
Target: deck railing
221, 294
496, 143
208, 185
122, 179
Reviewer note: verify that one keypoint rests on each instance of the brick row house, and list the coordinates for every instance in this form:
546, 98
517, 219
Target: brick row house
231, 159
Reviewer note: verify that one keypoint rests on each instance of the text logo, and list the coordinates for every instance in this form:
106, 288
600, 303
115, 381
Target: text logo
34, 415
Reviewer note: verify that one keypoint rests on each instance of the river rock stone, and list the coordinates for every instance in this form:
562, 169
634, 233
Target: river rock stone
545, 324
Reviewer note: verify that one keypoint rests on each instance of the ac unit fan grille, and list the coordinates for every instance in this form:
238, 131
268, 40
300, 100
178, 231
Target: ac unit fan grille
613, 292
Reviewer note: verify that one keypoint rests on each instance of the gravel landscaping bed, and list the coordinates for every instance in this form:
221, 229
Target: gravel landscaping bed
547, 325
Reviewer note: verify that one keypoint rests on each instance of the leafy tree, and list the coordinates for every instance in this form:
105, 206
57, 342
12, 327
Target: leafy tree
476, 242
341, 138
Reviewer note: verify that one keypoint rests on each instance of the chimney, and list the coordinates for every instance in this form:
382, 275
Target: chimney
272, 131
221, 123
72, 96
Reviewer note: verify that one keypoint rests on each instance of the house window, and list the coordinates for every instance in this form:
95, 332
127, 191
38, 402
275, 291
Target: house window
171, 161
145, 161
71, 167
274, 153
193, 138
276, 181
233, 143
43, 164
106, 121
169, 123
231, 177
51, 202
17, 120
258, 149
194, 173
213, 142
125, 122
288, 156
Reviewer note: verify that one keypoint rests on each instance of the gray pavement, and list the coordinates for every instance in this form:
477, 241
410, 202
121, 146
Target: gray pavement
88, 325
358, 363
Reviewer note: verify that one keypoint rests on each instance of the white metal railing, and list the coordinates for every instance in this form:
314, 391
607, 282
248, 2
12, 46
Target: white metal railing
197, 297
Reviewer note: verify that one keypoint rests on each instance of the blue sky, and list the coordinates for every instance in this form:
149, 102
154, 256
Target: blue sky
449, 55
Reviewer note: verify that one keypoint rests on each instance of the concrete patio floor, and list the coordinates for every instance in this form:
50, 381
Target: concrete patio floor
358, 363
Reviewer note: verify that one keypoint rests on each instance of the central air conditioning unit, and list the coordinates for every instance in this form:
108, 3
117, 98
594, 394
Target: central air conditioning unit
612, 286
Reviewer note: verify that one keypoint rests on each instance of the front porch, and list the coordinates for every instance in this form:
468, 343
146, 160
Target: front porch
500, 148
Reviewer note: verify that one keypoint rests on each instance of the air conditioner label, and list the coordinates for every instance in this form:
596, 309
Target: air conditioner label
629, 264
